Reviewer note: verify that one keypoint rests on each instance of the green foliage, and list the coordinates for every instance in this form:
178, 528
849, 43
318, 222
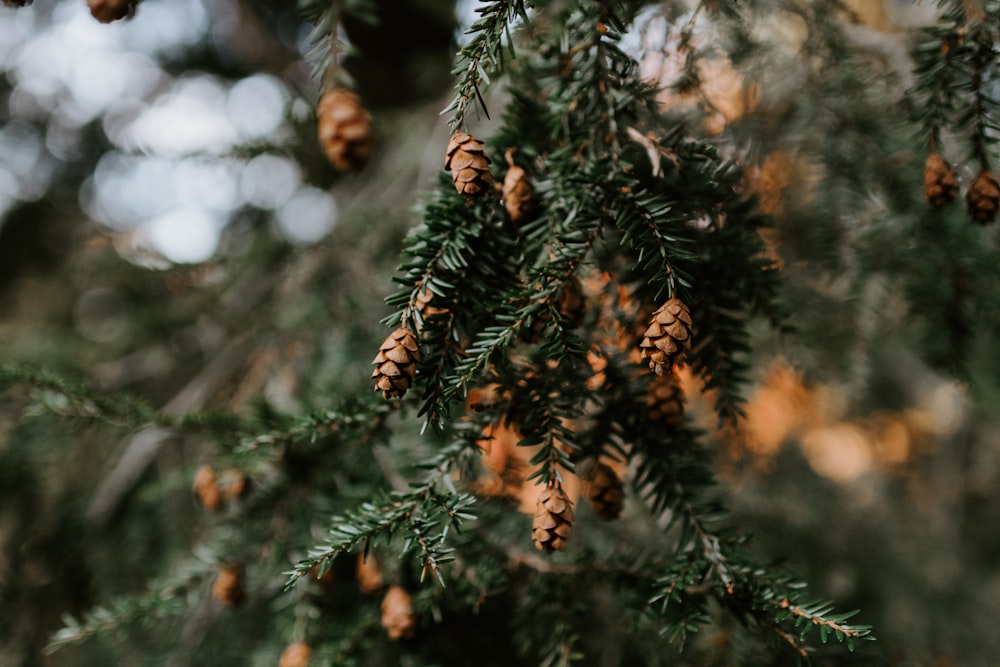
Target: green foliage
633, 205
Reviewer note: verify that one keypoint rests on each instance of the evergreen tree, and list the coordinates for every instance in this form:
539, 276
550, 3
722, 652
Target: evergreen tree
642, 205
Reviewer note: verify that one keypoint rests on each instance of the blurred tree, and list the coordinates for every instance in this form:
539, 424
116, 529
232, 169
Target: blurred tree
677, 243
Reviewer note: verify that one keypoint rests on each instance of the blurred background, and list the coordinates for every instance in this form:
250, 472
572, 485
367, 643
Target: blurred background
170, 228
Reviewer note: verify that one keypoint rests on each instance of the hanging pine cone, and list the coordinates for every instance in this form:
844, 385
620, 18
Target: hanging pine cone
107, 11
665, 401
517, 191
206, 488
668, 335
425, 306
603, 489
297, 654
466, 159
396, 363
228, 586
572, 305
939, 181
326, 581
398, 618
369, 574
344, 129
553, 521
983, 198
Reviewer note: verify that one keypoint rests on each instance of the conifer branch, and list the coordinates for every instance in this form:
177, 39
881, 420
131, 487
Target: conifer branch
483, 57
368, 419
165, 599
424, 512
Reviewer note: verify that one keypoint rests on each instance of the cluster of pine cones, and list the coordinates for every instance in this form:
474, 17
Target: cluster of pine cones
940, 187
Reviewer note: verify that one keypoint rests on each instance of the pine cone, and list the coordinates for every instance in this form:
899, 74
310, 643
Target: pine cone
939, 181
344, 129
668, 335
396, 363
369, 574
326, 581
228, 585
572, 305
517, 192
107, 11
425, 307
397, 614
206, 488
604, 490
665, 401
983, 198
553, 521
469, 166
297, 654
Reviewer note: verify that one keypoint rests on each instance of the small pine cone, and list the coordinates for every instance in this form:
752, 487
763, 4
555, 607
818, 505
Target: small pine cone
668, 335
939, 181
396, 363
517, 192
665, 401
425, 307
469, 166
397, 614
206, 488
604, 490
108, 11
297, 654
344, 129
326, 581
369, 574
228, 586
572, 305
983, 198
553, 521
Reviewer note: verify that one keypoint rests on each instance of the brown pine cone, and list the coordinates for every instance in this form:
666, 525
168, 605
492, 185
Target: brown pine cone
369, 574
668, 335
326, 581
228, 585
572, 305
517, 192
396, 363
107, 11
466, 159
397, 614
344, 129
553, 520
665, 401
206, 488
604, 490
983, 198
939, 181
297, 654
425, 307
